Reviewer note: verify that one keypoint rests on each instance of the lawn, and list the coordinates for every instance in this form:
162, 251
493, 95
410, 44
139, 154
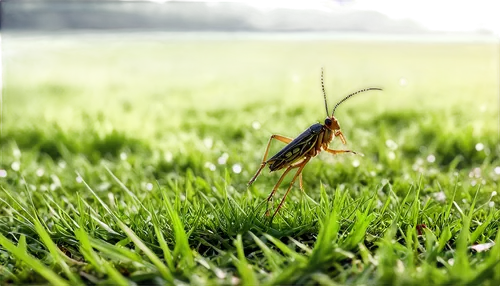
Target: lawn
125, 160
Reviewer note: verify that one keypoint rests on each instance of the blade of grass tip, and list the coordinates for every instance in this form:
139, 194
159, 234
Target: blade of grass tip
452, 201
19, 204
119, 253
182, 247
92, 257
32, 262
164, 271
461, 266
285, 249
244, 269
480, 229
327, 236
127, 190
272, 257
416, 207
167, 253
57, 255
54, 250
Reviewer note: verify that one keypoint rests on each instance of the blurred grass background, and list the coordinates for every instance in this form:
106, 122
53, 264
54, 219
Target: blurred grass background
195, 116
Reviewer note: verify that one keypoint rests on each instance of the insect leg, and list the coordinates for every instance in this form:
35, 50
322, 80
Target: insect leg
277, 186
299, 171
336, 152
301, 185
263, 164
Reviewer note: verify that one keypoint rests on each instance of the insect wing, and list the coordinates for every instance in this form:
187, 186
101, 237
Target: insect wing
296, 149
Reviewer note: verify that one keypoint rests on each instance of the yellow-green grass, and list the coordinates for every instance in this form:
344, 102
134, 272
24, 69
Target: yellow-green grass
125, 153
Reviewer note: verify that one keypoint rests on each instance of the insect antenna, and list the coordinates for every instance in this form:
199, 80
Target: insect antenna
352, 94
324, 93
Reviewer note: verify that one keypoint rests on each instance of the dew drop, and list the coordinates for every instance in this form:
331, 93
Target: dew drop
256, 125
391, 155
40, 172
210, 166
440, 196
123, 156
355, 163
3, 173
491, 204
391, 144
497, 170
431, 158
149, 186
79, 179
168, 157
479, 147
237, 168
222, 160
209, 142
15, 166
16, 152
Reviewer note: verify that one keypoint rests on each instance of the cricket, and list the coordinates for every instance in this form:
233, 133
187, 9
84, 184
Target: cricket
299, 151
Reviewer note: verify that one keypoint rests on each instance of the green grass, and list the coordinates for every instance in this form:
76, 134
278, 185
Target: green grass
123, 157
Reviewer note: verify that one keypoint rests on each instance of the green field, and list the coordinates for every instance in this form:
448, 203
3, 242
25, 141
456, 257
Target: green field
125, 159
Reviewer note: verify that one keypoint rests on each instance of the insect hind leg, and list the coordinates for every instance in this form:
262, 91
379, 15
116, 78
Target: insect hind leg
299, 172
283, 139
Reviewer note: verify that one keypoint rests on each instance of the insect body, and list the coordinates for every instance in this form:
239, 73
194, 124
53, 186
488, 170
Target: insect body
307, 145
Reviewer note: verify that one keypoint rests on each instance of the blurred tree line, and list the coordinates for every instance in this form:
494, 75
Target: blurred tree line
273, 19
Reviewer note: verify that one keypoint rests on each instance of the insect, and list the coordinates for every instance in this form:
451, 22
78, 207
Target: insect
297, 153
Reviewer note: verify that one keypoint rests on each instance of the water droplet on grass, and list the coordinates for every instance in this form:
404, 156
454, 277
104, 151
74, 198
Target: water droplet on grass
61, 164
168, 156
123, 156
494, 193
355, 163
210, 166
79, 179
256, 125
16, 152
440, 196
208, 142
237, 168
40, 172
3, 173
491, 204
479, 147
431, 158
149, 186
391, 155
475, 173
391, 144
222, 160
497, 170
15, 166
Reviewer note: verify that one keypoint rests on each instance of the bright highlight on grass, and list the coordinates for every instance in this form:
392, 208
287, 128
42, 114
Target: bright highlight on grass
403, 82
